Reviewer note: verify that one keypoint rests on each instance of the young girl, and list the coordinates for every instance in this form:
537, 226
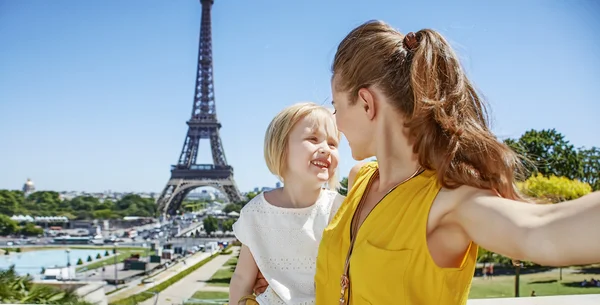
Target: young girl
280, 230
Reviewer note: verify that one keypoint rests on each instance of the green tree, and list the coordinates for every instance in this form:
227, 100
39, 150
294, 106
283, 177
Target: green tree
232, 207
84, 214
228, 225
85, 202
343, 190
29, 229
107, 204
42, 203
251, 195
105, 214
590, 166
210, 225
553, 189
10, 202
16, 289
8, 226
134, 205
548, 152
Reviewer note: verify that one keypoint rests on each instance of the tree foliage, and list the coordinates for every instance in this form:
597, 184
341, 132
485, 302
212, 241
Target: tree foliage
16, 289
553, 189
549, 153
49, 203
211, 225
8, 226
343, 190
590, 166
227, 225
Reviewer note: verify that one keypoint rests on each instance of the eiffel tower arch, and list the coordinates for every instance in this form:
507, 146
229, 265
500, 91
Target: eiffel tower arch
187, 174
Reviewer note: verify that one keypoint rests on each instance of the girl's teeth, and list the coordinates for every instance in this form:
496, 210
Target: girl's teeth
317, 163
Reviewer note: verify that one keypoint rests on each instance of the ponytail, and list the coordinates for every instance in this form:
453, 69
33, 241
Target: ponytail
449, 122
446, 117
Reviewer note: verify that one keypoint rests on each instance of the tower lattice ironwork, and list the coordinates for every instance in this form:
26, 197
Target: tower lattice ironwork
187, 174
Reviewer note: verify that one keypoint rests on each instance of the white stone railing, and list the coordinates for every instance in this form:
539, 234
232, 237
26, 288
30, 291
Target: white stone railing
583, 299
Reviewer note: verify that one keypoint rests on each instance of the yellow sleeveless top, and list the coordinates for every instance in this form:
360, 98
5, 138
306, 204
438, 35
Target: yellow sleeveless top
390, 263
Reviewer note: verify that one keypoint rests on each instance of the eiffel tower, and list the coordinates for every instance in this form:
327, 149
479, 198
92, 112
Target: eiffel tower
187, 175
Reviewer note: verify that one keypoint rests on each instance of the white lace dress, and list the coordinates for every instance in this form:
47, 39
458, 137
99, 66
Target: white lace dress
284, 243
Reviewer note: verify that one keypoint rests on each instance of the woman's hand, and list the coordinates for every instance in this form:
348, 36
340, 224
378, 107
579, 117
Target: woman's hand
261, 284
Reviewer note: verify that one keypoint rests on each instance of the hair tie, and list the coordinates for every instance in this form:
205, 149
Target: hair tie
410, 41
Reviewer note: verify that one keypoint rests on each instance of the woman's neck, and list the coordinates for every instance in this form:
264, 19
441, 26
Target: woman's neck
394, 153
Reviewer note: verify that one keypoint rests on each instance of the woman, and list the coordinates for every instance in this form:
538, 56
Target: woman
409, 228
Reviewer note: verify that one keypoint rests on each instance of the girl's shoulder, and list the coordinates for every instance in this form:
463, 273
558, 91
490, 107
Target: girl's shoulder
331, 196
331, 204
332, 200
254, 205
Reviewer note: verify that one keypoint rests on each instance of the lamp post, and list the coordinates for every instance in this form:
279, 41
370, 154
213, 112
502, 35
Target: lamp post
68, 251
116, 266
517, 265
147, 257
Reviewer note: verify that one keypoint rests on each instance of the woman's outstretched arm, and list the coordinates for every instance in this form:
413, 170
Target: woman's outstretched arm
560, 234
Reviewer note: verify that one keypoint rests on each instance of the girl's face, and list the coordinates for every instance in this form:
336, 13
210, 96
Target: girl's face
312, 152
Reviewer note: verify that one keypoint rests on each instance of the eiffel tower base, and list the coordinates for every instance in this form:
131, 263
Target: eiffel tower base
169, 203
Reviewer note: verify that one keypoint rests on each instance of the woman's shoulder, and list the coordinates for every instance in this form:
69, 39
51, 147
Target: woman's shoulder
362, 168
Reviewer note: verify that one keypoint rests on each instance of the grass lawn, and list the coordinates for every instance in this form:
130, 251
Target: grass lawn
223, 276
122, 254
210, 295
543, 283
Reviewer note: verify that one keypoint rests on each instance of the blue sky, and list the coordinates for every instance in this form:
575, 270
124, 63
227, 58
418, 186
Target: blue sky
94, 95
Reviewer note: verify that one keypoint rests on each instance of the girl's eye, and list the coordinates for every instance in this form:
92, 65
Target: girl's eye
313, 139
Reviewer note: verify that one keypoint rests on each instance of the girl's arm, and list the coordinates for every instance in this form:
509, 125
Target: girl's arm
244, 276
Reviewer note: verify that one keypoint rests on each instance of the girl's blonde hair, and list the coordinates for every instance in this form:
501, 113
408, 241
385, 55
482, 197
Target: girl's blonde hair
277, 135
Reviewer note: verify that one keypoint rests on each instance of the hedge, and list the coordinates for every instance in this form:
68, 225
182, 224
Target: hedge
150, 293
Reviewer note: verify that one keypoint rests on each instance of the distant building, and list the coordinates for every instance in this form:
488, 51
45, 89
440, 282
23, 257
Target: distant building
267, 188
202, 195
28, 187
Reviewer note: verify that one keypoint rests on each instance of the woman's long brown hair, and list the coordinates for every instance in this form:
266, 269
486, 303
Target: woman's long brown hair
446, 117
